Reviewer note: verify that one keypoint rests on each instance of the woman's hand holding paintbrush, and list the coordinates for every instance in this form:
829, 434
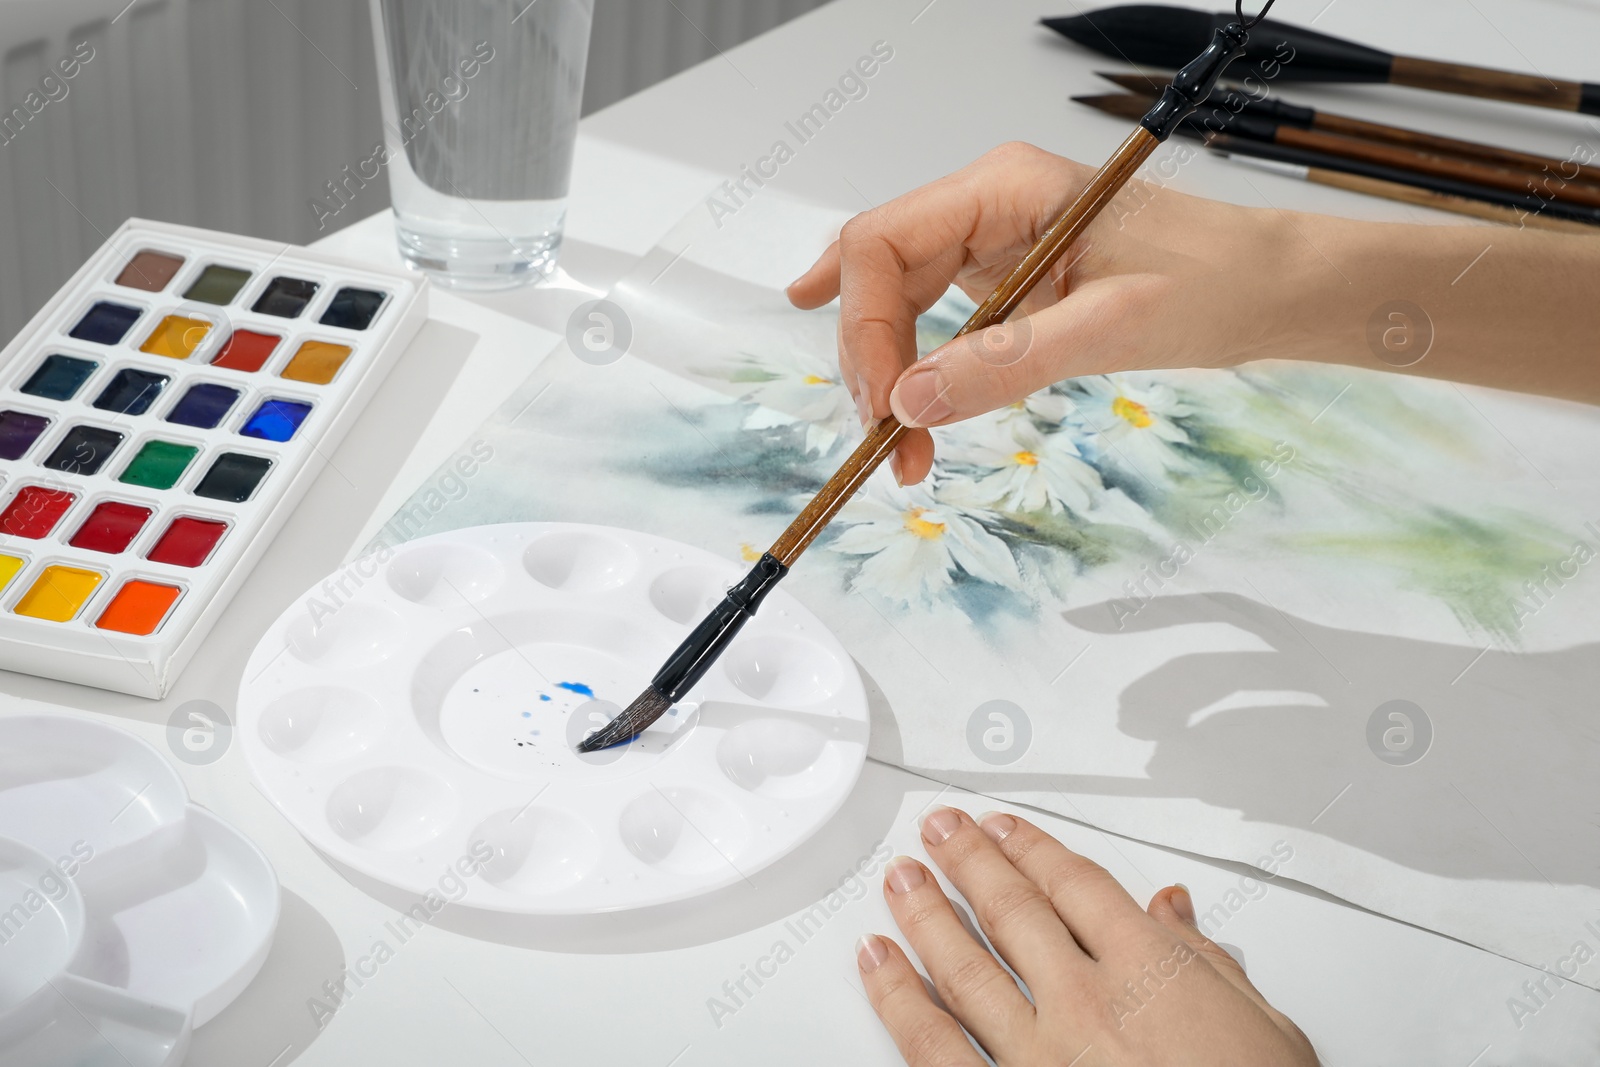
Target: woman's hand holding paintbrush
1160, 280
1165, 280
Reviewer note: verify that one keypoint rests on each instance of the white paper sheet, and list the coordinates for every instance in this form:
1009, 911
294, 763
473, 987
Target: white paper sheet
1334, 610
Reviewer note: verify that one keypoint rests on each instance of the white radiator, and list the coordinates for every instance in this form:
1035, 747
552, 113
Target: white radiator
233, 114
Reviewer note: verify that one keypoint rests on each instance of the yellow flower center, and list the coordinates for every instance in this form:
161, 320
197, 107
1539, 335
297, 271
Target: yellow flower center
749, 552
927, 529
1025, 459
817, 379
1136, 413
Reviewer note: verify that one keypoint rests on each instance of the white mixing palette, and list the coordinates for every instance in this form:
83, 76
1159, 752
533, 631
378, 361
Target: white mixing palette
420, 711
129, 914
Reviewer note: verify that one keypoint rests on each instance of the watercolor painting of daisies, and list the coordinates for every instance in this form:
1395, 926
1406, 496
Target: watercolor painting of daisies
1123, 474
1100, 490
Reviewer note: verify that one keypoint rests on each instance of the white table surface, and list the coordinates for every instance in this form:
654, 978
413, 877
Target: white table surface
966, 74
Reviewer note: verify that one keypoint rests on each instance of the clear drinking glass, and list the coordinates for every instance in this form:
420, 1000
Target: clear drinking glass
480, 112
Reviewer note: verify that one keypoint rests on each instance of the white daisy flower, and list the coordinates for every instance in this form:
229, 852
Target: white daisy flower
1046, 406
797, 386
1023, 469
1132, 417
1116, 508
915, 544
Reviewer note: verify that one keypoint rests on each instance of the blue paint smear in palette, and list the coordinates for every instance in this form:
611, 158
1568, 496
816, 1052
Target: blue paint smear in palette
577, 688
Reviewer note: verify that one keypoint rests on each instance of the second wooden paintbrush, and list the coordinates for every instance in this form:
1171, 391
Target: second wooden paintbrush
1511, 180
1544, 168
1189, 89
1474, 206
1249, 135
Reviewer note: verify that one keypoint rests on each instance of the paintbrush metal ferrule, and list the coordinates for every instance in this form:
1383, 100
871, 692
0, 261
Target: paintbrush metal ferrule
690, 661
1222, 99
694, 656
1194, 82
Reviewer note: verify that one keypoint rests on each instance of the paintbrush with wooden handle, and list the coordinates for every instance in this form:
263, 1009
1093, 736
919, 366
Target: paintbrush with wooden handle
1161, 35
1188, 90
1546, 168
1476, 203
1358, 151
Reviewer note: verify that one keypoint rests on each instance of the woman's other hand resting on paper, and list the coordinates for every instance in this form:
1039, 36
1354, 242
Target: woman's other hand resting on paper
1112, 985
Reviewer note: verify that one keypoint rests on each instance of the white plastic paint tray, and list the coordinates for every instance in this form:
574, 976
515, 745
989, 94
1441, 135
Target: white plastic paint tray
416, 713
128, 915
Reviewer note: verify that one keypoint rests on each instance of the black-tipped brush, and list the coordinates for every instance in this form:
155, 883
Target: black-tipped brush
693, 657
1189, 89
1159, 35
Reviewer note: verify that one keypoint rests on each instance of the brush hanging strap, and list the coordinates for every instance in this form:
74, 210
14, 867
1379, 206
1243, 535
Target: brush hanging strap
1192, 85
1248, 24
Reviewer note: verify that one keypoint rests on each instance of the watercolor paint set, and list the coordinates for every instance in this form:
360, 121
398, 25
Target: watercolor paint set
159, 419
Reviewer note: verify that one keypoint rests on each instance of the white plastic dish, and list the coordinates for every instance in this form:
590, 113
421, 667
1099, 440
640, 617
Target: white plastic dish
141, 915
415, 714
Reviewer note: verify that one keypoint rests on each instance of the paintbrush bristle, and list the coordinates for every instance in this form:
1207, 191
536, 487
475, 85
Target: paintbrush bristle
1125, 105
1135, 82
1151, 35
646, 708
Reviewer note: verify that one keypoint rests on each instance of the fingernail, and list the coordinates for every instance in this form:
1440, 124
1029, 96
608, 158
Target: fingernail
1183, 903
919, 399
894, 469
937, 828
863, 402
997, 824
904, 874
870, 953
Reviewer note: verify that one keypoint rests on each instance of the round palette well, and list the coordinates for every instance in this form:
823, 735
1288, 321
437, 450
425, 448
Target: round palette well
415, 716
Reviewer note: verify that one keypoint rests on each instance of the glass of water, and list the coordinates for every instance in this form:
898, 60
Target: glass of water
480, 112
